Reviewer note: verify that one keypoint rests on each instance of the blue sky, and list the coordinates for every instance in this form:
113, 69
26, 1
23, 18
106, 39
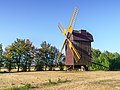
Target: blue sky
38, 20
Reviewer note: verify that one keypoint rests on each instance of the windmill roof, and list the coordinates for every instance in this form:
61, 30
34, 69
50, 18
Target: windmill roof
82, 35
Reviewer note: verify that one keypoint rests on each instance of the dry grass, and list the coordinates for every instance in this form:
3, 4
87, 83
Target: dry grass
94, 80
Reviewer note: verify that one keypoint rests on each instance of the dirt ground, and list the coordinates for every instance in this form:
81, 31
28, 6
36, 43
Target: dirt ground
92, 80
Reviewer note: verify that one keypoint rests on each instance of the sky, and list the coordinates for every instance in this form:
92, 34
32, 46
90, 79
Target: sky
37, 20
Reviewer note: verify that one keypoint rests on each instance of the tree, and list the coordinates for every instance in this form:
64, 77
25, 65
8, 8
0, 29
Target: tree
105, 60
46, 56
45, 50
28, 55
95, 54
39, 63
1, 56
9, 61
115, 62
100, 61
22, 54
18, 51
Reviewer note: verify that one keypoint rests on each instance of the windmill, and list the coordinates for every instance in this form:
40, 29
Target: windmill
67, 34
73, 41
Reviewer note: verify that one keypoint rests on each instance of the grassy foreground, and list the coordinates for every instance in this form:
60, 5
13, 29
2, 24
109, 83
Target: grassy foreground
56, 80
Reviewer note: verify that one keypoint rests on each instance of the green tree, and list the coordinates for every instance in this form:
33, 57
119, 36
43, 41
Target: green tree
105, 60
45, 50
100, 61
28, 55
46, 56
22, 54
53, 54
1, 56
18, 51
39, 63
115, 62
9, 61
95, 54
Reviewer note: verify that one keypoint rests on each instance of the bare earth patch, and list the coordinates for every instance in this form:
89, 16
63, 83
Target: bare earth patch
92, 80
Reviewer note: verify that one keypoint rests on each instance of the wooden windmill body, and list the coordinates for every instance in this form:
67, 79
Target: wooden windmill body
81, 40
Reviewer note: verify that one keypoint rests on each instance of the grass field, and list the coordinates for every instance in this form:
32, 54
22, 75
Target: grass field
61, 80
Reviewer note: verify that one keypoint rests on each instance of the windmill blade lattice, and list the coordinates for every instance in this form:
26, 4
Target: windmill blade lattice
69, 31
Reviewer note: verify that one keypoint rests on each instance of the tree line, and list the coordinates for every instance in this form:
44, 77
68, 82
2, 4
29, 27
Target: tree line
105, 60
22, 54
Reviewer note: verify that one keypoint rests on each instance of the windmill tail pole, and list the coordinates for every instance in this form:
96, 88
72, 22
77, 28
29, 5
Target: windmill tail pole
99, 64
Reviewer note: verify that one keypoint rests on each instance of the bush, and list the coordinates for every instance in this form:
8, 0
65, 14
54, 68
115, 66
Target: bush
26, 87
115, 64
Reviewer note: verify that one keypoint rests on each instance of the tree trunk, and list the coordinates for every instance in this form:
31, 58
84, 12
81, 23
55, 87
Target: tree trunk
25, 68
29, 68
18, 63
45, 67
18, 68
9, 68
29, 65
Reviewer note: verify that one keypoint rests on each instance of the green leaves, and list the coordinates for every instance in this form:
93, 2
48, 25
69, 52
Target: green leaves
105, 59
21, 53
46, 56
1, 56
